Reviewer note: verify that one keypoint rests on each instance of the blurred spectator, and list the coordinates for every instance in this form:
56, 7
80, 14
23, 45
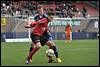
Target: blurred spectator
70, 13
84, 12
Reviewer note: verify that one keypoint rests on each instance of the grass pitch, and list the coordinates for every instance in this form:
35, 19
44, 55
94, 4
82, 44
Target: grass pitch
76, 53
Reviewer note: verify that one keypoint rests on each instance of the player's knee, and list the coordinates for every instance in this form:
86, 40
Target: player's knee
50, 47
50, 43
32, 45
54, 48
38, 45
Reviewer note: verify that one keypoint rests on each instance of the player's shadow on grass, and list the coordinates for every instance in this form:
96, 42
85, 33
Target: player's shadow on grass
53, 62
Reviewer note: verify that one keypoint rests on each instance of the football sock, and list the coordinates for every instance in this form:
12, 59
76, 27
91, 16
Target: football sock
34, 50
55, 51
30, 49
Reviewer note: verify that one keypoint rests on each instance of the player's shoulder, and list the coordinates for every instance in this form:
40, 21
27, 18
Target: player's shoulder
36, 15
45, 15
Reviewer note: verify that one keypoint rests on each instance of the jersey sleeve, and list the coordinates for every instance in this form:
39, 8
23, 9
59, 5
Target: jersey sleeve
35, 17
46, 15
43, 20
33, 24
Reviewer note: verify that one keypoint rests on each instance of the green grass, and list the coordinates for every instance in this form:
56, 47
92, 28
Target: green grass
77, 53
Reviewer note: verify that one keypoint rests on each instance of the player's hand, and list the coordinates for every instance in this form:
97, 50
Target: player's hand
27, 25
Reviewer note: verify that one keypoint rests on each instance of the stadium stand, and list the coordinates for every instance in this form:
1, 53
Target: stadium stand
29, 7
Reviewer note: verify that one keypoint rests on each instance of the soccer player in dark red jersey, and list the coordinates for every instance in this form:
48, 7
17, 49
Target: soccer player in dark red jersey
37, 32
46, 38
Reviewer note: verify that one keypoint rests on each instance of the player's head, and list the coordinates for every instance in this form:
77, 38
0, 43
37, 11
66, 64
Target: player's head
40, 10
68, 24
50, 17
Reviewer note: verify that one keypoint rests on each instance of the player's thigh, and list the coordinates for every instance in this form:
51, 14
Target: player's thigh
36, 40
68, 34
43, 40
50, 43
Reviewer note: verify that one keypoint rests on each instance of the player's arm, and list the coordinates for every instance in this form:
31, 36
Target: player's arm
66, 28
43, 20
71, 29
27, 25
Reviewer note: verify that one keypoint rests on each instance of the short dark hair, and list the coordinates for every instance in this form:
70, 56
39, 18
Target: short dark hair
39, 7
50, 14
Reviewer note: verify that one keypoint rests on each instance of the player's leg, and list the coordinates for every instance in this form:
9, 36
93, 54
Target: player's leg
34, 50
68, 37
44, 40
47, 38
37, 45
30, 49
53, 46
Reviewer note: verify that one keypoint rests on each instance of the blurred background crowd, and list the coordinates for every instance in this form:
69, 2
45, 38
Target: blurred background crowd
60, 9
